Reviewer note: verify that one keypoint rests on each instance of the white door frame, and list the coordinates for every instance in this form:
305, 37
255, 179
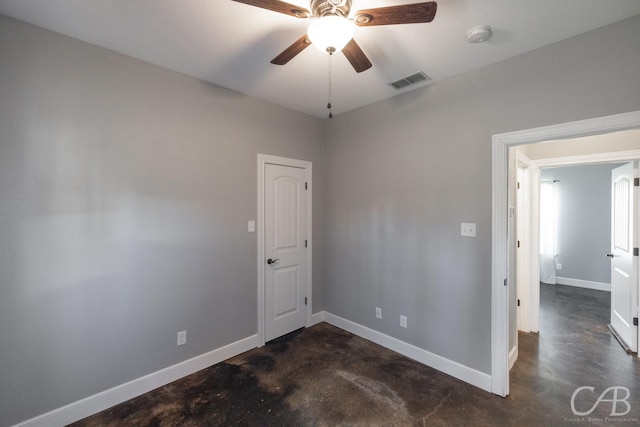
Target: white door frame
263, 161
500, 316
531, 223
527, 253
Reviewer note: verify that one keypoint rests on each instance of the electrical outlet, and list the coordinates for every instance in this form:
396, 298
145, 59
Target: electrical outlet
378, 313
558, 266
403, 321
468, 229
182, 338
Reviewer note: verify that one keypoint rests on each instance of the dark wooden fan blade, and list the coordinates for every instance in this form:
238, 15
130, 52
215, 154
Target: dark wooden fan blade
403, 14
289, 53
356, 56
278, 6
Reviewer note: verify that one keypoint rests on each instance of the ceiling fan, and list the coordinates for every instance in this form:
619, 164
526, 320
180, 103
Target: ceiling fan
332, 29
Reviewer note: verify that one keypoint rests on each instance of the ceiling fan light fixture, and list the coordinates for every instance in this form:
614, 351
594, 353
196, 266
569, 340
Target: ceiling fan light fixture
330, 33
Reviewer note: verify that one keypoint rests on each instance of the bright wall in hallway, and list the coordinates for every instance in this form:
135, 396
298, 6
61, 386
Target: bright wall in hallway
583, 220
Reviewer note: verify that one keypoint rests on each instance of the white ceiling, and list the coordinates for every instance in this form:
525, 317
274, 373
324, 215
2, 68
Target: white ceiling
230, 44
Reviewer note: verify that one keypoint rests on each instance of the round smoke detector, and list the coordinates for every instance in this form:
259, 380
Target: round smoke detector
479, 34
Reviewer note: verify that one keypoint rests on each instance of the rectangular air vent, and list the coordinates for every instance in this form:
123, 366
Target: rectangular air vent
410, 80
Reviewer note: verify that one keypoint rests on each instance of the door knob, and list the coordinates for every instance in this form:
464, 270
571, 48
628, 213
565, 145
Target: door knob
272, 261
610, 255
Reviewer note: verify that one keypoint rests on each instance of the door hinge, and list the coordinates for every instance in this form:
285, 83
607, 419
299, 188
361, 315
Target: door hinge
635, 321
635, 251
518, 185
505, 282
518, 243
305, 243
306, 185
305, 300
636, 182
518, 302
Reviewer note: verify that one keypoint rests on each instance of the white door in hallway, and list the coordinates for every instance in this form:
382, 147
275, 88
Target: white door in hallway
624, 277
285, 213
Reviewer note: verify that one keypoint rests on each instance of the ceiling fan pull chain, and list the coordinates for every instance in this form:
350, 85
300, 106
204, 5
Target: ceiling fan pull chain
330, 95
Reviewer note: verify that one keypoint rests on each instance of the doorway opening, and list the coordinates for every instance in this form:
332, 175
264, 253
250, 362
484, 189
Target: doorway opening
503, 273
574, 236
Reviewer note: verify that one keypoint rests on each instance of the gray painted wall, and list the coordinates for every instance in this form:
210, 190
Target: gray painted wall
125, 191
583, 219
402, 174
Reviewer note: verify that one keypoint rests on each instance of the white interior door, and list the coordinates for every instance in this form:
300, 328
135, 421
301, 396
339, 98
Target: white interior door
623, 263
285, 229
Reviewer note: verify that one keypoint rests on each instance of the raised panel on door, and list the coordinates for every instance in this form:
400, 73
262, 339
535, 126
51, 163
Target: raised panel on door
285, 235
285, 291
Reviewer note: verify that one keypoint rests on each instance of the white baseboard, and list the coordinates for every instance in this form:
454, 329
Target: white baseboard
455, 369
317, 318
583, 284
513, 356
99, 402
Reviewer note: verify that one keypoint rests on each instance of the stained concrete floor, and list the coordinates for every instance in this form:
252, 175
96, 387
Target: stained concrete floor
324, 376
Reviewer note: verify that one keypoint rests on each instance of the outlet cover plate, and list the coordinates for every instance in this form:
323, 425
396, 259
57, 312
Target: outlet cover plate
182, 338
468, 229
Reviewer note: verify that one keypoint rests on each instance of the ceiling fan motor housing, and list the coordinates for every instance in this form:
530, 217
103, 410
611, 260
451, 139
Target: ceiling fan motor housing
321, 8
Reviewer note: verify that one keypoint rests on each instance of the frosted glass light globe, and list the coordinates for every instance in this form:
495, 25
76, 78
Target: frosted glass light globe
330, 32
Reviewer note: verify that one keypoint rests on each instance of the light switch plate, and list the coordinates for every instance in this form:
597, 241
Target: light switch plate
468, 229
251, 226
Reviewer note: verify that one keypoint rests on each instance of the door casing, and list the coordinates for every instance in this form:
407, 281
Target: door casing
263, 161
